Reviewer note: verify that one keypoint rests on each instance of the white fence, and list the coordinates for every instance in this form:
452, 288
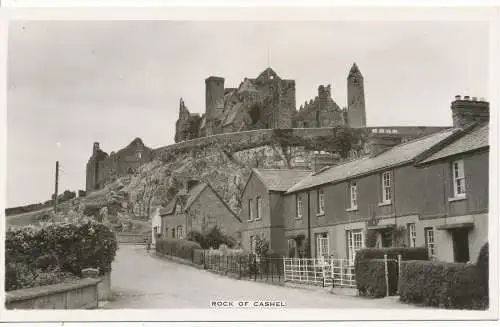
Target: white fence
325, 272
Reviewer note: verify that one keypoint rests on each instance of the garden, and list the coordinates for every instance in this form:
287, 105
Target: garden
409, 273
56, 252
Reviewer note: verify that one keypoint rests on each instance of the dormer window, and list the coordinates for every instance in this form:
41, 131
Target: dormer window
178, 208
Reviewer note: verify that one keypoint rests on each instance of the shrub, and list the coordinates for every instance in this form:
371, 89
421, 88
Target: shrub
442, 284
370, 278
177, 248
366, 257
212, 239
56, 249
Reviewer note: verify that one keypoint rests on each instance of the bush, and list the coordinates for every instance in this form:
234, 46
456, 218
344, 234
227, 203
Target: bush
483, 263
177, 248
370, 278
442, 284
213, 239
365, 284
57, 249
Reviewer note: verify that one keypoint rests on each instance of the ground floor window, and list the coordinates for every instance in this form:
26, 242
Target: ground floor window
292, 248
354, 243
412, 235
386, 236
180, 232
322, 245
429, 242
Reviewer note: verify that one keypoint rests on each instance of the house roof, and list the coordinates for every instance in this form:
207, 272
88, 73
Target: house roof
473, 140
395, 156
186, 198
189, 198
280, 179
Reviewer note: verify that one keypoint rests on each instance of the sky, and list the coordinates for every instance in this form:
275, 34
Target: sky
71, 83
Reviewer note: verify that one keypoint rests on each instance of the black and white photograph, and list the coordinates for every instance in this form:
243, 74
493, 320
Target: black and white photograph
244, 165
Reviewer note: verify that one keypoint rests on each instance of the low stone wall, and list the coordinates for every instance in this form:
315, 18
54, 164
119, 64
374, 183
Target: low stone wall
131, 238
80, 294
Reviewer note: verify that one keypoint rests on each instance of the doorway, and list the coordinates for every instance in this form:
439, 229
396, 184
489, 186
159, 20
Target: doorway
460, 244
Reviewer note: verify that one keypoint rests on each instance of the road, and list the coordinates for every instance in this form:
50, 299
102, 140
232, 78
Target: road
141, 280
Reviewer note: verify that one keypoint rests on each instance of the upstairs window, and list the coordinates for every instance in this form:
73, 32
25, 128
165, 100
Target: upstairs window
178, 208
298, 206
250, 210
259, 208
387, 187
458, 178
353, 190
321, 202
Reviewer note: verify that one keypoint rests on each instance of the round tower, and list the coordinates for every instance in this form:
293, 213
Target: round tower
356, 113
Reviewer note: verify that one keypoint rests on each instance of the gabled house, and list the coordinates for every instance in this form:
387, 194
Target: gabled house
262, 205
335, 207
197, 207
401, 194
454, 211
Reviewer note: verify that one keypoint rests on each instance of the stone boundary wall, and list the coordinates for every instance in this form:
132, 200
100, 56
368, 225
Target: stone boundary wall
80, 294
239, 141
131, 238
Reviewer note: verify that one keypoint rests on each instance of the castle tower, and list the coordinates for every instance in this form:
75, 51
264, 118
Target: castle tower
356, 113
96, 148
214, 88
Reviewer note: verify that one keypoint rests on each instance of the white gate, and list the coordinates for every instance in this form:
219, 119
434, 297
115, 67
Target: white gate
320, 271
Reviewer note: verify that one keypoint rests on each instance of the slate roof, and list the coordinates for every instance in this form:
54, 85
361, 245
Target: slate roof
186, 199
473, 140
395, 156
280, 179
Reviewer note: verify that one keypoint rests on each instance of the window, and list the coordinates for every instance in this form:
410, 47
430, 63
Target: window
211, 220
139, 155
298, 205
354, 243
458, 178
429, 241
321, 202
178, 208
166, 232
412, 234
250, 210
386, 187
180, 233
173, 232
253, 242
292, 248
259, 208
322, 246
353, 187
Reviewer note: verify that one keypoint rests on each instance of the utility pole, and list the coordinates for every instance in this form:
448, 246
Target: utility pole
56, 186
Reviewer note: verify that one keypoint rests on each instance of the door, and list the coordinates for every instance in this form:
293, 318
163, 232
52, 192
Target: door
322, 246
460, 244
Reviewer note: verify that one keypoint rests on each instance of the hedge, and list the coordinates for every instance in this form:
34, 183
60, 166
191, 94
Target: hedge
370, 276
442, 284
177, 248
58, 248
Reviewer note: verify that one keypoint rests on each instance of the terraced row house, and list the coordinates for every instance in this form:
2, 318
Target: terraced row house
431, 191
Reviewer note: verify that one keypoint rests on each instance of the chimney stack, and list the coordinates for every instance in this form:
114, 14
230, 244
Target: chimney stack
467, 111
324, 159
379, 143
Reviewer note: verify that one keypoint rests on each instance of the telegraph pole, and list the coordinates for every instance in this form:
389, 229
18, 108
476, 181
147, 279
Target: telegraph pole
56, 186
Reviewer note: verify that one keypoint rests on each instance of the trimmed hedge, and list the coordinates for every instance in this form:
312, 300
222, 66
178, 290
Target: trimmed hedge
442, 284
370, 269
57, 249
447, 285
177, 248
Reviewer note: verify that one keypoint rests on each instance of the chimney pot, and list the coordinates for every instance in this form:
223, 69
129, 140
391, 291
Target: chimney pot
458, 97
474, 98
466, 97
